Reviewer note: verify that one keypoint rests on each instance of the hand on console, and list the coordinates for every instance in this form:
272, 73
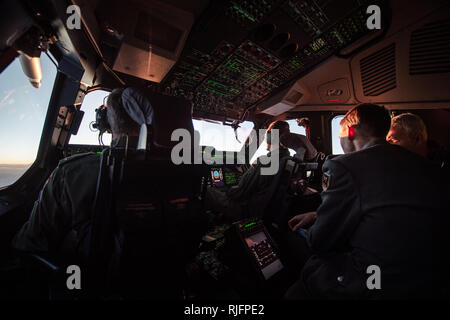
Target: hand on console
303, 220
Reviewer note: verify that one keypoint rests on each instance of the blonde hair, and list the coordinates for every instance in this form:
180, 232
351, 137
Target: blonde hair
411, 124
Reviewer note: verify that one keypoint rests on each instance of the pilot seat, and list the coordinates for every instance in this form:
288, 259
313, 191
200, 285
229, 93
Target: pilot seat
148, 213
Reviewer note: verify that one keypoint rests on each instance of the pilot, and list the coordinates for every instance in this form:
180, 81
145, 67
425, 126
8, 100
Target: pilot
252, 180
229, 204
62, 212
381, 230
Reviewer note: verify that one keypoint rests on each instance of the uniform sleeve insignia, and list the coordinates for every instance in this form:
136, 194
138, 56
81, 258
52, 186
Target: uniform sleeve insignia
326, 179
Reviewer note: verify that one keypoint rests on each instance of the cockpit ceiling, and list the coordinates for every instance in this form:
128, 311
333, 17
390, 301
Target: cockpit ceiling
244, 51
240, 52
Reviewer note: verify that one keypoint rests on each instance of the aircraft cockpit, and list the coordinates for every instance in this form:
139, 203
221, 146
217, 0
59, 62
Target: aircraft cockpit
191, 146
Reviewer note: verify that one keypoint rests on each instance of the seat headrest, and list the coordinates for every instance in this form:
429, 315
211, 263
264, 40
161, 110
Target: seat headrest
295, 141
170, 113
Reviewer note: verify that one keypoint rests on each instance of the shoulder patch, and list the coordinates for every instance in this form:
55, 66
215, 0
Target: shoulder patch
326, 179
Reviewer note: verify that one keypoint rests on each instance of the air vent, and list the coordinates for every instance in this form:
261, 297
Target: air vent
378, 72
429, 51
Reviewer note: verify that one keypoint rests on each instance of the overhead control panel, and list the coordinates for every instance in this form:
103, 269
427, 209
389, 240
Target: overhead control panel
241, 52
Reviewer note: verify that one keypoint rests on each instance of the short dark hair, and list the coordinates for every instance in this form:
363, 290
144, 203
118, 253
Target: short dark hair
118, 118
371, 120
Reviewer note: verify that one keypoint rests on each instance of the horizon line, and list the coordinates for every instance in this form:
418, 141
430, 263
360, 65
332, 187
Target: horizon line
16, 163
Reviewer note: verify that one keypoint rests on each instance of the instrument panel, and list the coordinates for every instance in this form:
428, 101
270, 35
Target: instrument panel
224, 176
242, 51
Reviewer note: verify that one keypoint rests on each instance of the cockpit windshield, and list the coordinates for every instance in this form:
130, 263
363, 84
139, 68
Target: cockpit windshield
22, 114
222, 137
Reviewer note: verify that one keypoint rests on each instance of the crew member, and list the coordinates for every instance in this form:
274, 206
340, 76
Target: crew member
63, 210
381, 230
409, 131
252, 183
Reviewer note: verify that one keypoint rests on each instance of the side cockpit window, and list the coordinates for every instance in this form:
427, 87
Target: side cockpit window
23, 109
87, 135
335, 141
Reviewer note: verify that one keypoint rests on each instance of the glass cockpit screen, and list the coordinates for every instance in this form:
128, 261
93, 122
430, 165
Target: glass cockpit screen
217, 177
267, 259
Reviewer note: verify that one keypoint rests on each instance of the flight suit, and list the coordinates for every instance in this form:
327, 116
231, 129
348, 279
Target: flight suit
382, 206
252, 181
250, 191
62, 212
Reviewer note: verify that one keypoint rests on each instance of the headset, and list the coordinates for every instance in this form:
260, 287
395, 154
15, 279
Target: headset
101, 121
351, 133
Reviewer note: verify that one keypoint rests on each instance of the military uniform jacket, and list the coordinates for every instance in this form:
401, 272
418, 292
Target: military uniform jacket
62, 213
382, 206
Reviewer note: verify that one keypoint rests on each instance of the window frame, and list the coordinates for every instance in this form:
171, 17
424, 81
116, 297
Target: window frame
333, 116
69, 143
66, 90
27, 174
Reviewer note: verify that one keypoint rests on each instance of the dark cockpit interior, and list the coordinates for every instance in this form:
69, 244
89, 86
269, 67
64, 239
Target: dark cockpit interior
240, 64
